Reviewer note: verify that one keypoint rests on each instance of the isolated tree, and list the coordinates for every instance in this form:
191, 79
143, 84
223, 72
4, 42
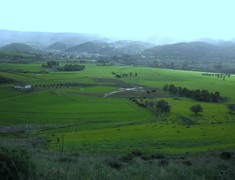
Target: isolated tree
231, 107
196, 108
163, 106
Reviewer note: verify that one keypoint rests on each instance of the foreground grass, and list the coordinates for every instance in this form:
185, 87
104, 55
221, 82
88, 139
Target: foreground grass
38, 164
136, 165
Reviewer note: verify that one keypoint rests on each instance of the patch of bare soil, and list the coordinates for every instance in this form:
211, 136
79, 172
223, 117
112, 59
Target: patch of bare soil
111, 82
18, 129
137, 93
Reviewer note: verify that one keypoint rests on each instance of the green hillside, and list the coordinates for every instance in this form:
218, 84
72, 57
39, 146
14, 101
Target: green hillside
57, 46
17, 47
6, 56
196, 51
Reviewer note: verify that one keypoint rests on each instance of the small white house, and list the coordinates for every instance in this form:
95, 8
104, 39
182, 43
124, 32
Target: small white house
22, 86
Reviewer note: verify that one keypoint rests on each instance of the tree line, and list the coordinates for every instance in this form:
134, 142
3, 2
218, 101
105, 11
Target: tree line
159, 106
218, 75
163, 106
198, 95
62, 85
66, 67
4, 80
72, 67
124, 75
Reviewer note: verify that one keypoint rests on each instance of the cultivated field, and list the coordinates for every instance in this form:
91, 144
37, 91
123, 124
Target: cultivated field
71, 111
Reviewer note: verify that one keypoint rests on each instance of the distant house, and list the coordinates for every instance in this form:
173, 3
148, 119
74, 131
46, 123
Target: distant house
22, 86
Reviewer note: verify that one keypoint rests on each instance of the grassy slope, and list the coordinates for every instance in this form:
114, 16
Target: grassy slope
100, 124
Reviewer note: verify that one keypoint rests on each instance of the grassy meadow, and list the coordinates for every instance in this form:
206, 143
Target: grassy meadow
69, 112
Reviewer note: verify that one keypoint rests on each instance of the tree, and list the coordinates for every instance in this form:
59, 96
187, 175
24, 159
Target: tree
173, 89
163, 106
196, 108
51, 64
231, 107
165, 87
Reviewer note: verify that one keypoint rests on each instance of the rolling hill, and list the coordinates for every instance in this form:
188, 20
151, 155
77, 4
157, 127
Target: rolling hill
57, 46
17, 47
110, 49
192, 51
93, 48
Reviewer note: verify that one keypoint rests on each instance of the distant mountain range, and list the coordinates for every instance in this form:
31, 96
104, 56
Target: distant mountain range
72, 43
58, 46
193, 51
110, 49
177, 51
44, 39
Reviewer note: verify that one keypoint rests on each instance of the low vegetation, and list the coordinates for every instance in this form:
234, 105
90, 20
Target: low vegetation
16, 164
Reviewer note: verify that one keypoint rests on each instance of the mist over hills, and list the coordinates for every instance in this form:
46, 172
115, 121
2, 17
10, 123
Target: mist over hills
110, 49
208, 54
192, 51
58, 46
94, 44
43, 39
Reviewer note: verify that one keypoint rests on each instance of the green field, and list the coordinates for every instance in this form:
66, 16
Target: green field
90, 122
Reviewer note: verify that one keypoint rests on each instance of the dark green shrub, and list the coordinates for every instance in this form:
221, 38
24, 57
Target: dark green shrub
16, 164
157, 156
225, 155
187, 163
146, 157
137, 153
115, 165
163, 162
127, 158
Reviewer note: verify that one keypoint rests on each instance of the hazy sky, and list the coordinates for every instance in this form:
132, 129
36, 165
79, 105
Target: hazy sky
182, 19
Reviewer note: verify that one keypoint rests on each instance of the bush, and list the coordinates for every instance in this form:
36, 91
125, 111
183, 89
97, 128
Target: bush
225, 155
16, 164
127, 158
163, 162
137, 153
115, 165
187, 163
157, 156
231, 107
